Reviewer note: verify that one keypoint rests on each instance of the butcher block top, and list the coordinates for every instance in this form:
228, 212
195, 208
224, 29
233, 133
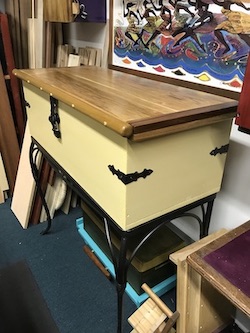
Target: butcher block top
134, 107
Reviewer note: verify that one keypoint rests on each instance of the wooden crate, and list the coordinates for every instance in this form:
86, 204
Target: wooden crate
201, 307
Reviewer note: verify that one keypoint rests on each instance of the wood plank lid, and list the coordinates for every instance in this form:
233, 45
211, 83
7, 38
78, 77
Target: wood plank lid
135, 107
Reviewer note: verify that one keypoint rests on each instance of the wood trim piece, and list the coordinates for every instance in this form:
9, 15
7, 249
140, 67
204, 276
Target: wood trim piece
24, 186
127, 104
180, 127
225, 287
180, 259
14, 83
8, 139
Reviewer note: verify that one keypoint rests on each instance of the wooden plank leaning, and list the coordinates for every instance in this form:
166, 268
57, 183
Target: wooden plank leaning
18, 110
9, 146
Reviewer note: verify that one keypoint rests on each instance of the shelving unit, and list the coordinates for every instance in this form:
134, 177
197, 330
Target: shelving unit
160, 289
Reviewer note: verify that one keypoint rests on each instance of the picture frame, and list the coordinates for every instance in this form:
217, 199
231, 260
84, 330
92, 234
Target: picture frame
199, 44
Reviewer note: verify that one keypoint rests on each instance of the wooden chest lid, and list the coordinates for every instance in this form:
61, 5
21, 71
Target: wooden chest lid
135, 107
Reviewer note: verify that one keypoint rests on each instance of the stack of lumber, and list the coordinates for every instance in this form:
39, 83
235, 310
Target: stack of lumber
40, 39
87, 56
90, 56
63, 53
43, 47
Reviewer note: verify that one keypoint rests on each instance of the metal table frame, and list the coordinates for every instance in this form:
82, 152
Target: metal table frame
145, 231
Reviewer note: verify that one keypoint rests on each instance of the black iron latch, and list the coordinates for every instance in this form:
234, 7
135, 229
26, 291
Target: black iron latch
54, 117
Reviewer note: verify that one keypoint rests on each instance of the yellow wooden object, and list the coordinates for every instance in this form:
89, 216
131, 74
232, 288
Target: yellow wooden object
153, 316
109, 118
201, 307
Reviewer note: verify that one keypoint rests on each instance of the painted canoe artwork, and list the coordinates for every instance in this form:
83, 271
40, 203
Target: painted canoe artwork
201, 41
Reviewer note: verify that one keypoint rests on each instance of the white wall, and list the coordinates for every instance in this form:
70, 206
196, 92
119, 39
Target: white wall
232, 205
81, 34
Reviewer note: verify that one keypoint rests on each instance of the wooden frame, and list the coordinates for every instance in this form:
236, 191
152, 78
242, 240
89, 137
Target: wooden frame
201, 306
224, 283
145, 40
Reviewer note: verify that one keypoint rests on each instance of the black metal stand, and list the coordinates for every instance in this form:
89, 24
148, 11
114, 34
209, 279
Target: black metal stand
33, 155
123, 260
144, 232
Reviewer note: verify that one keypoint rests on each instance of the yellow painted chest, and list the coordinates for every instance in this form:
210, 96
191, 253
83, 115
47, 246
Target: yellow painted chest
139, 148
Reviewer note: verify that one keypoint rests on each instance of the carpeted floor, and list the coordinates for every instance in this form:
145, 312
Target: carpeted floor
68, 292
78, 296
22, 306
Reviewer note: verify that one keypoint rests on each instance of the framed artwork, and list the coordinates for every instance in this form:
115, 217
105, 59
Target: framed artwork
92, 11
196, 43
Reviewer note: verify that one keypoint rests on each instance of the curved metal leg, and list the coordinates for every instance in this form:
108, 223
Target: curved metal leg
33, 153
121, 267
204, 222
207, 218
122, 262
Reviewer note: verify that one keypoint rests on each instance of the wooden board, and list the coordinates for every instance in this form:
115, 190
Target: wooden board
24, 14
139, 107
36, 37
3, 179
25, 185
18, 11
18, 110
58, 10
4, 186
8, 138
1, 196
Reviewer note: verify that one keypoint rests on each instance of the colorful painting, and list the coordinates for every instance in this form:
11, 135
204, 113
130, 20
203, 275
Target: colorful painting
201, 41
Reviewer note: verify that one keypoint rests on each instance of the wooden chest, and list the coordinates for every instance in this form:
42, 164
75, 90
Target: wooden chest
139, 148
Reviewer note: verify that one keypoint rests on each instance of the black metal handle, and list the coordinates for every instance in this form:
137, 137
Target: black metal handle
54, 117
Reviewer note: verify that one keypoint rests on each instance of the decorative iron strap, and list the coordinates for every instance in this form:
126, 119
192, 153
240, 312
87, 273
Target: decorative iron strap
130, 177
221, 150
